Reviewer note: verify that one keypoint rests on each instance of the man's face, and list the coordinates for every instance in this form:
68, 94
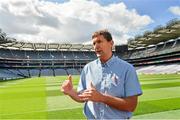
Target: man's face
102, 47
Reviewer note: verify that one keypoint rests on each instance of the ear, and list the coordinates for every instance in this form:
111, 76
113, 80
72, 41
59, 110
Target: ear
112, 42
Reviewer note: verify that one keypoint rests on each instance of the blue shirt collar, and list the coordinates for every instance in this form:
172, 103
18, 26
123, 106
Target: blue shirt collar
108, 63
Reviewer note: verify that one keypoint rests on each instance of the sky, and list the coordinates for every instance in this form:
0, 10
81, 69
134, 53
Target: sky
74, 21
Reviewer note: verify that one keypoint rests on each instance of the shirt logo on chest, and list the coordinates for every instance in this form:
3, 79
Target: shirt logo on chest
115, 78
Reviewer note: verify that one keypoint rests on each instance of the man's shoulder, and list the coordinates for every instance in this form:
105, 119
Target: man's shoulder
92, 63
122, 62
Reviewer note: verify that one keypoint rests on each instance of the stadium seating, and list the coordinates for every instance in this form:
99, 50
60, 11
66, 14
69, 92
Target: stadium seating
159, 69
54, 63
159, 53
6, 74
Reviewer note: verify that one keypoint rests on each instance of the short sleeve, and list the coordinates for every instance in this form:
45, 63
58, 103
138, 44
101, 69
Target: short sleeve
81, 85
132, 85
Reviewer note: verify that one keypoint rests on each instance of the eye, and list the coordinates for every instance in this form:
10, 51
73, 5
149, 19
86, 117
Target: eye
99, 41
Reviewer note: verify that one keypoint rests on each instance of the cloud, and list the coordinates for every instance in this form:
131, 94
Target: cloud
175, 10
68, 22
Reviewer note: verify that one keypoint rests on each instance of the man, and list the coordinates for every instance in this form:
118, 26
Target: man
108, 85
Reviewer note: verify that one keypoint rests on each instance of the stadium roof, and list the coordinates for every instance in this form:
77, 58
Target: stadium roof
44, 46
11, 43
160, 34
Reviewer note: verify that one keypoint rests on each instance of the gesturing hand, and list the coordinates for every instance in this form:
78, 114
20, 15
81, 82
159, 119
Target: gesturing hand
67, 86
91, 94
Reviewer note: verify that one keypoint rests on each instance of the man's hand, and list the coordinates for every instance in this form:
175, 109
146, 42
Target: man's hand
91, 94
67, 86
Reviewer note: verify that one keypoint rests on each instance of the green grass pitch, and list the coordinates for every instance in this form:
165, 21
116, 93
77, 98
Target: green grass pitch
40, 98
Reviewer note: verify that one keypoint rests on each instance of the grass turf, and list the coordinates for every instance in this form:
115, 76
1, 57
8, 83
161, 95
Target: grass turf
40, 98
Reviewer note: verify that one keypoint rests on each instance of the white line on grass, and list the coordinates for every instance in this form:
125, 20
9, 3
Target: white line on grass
41, 111
164, 115
12, 82
160, 93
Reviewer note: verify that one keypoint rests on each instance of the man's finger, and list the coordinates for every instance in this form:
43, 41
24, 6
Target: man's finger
91, 85
70, 78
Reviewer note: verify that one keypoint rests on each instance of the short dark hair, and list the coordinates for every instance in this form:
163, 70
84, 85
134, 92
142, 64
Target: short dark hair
105, 33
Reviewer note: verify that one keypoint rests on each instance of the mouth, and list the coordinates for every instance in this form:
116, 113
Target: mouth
98, 53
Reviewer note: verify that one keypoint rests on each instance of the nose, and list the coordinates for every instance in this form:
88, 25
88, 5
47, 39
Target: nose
96, 46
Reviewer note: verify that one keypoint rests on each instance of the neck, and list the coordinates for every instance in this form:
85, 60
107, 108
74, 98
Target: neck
105, 59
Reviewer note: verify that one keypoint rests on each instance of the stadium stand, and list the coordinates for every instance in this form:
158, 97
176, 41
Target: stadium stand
154, 52
157, 51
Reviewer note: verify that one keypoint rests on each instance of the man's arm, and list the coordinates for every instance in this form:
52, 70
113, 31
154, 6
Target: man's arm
74, 95
67, 88
125, 104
